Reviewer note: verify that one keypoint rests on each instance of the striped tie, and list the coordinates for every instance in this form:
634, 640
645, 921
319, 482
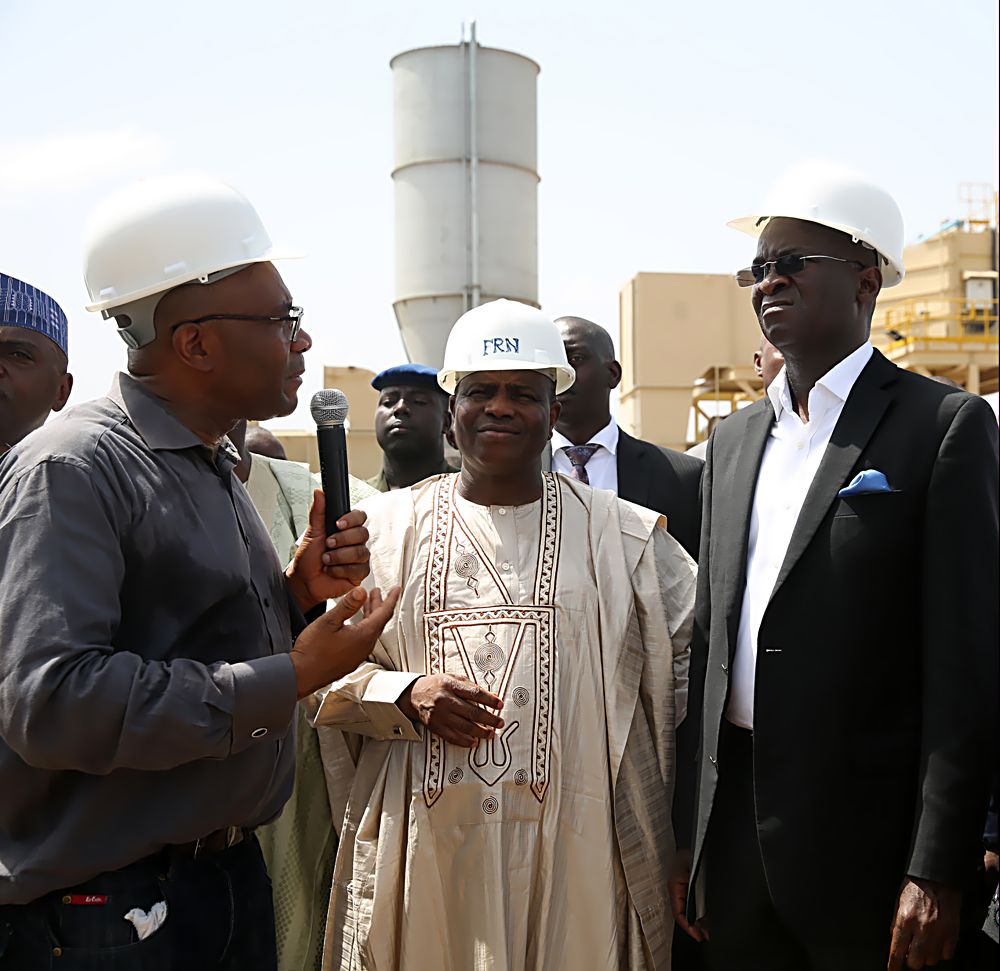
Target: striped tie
580, 455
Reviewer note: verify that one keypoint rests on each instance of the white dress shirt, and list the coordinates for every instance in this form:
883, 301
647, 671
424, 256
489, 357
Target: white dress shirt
602, 469
791, 457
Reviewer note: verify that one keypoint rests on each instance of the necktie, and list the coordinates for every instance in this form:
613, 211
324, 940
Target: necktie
580, 455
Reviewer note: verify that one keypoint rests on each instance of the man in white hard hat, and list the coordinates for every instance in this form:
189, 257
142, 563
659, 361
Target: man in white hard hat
148, 678
836, 760
511, 803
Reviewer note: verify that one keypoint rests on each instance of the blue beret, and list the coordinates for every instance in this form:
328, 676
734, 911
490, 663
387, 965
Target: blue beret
22, 305
407, 375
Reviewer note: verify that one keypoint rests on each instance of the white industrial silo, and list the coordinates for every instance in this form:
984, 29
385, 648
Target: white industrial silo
466, 187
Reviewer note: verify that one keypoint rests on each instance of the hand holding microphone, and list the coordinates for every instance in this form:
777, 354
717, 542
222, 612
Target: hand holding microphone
332, 557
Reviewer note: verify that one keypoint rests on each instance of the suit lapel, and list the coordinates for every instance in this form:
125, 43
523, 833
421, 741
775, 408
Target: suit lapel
633, 481
737, 491
862, 412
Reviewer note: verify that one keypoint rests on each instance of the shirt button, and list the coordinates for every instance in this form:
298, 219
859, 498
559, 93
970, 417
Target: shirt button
57, 952
258, 733
267, 603
800, 445
505, 565
502, 511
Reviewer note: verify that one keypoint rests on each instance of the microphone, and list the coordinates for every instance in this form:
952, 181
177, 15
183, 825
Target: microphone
329, 411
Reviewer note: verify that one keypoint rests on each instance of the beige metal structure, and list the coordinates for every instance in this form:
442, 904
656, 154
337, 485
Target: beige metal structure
942, 319
675, 327
364, 457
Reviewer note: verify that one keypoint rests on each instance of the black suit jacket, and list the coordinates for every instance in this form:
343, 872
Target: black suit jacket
666, 481
876, 681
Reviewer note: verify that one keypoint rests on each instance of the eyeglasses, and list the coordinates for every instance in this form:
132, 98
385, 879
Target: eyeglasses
292, 321
783, 266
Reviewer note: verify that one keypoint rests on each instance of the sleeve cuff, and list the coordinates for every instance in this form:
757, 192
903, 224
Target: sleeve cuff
265, 698
379, 705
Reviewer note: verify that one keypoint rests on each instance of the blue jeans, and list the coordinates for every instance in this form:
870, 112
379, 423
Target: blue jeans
219, 917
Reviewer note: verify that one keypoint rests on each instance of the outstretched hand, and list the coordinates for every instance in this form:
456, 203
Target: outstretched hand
329, 647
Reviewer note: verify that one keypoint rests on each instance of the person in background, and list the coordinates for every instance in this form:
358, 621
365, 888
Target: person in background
588, 445
34, 375
411, 421
262, 441
767, 362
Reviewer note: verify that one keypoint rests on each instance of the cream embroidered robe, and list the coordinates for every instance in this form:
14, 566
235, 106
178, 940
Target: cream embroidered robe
547, 847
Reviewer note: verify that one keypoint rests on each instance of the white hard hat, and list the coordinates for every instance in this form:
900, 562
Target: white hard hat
160, 233
504, 335
828, 194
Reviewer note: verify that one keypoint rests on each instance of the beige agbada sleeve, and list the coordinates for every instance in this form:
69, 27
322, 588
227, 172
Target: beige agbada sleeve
364, 701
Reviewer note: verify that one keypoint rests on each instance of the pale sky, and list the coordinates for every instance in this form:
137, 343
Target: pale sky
657, 123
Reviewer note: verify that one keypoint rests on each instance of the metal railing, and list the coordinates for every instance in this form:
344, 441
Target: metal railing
939, 319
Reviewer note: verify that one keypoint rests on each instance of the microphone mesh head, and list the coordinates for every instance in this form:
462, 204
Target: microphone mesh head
329, 407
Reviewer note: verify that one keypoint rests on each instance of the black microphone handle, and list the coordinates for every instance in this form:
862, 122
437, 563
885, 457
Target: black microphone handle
333, 467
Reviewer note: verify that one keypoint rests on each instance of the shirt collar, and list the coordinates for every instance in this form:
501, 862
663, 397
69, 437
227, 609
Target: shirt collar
838, 381
607, 438
152, 418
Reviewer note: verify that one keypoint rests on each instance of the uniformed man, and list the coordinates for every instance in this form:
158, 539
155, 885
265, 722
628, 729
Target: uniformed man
411, 419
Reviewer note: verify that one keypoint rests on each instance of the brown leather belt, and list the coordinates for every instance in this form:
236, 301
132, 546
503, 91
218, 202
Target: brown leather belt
217, 842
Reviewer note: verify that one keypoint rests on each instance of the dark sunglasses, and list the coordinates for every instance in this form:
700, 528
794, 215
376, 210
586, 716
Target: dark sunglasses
783, 266
292, 321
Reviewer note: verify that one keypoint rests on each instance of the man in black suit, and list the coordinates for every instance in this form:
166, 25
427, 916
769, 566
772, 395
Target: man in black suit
588, 444
834, 766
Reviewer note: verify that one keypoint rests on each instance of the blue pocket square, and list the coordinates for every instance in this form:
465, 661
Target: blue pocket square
867, 482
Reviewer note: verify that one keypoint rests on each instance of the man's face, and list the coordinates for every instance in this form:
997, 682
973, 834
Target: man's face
410, 421
502, 419
33, 382
597, 373
254, 368
767, 362
814, 308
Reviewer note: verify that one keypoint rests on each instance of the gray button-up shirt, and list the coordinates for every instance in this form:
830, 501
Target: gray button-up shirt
145, 685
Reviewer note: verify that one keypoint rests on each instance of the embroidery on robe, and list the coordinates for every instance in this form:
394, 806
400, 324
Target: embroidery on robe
484, 644
467, 567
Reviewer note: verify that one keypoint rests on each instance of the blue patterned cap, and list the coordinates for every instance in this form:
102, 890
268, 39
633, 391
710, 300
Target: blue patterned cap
406, 375
22, 305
